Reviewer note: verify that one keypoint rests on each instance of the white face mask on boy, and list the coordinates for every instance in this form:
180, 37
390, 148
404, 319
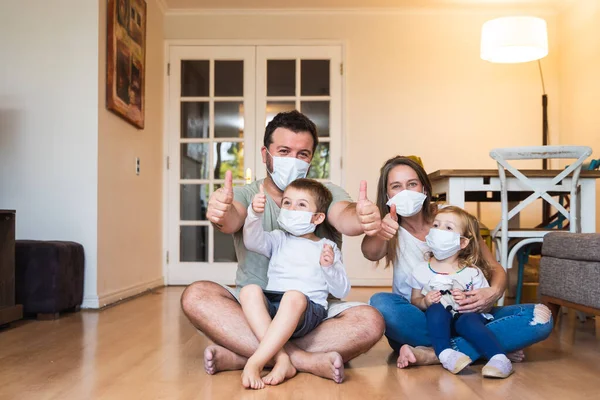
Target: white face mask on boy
443, 243
286, 170
297, 223
407, 202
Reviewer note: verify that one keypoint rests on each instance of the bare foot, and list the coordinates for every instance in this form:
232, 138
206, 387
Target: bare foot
406, 357
217, 358
516, 356
282, 370
251, 376
419, 355
326, 365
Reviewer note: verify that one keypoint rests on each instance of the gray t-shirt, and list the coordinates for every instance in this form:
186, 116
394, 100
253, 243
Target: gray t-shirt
252, 267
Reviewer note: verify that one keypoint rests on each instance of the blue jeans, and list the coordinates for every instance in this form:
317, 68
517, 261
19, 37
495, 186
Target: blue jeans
470, 326
406, 324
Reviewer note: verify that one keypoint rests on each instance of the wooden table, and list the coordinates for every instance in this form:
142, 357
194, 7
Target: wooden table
9, 311
458, 186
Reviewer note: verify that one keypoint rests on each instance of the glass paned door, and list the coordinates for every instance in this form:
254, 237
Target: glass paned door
211, 130
308, 79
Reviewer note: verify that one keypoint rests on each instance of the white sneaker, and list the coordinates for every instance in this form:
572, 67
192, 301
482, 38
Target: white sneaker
454, 361
499, 366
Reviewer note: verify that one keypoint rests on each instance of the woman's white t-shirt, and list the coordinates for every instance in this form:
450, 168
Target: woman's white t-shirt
410, 253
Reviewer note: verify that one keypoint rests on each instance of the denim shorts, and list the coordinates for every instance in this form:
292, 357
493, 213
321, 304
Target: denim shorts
313, 315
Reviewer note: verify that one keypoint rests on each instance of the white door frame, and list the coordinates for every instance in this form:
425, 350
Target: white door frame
179, 272
331, 53
166, 122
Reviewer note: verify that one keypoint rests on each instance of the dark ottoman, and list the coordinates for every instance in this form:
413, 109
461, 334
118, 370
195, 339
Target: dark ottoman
49, 276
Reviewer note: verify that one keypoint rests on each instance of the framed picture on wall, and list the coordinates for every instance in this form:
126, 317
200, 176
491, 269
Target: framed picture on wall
126, 59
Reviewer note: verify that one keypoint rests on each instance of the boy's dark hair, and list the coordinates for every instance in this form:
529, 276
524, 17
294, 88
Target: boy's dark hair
317, 190
296, 122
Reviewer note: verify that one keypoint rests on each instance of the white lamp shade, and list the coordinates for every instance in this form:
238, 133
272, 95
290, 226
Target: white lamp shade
514, 39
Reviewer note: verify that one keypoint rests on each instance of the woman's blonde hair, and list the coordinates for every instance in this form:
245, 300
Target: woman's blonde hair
470, 255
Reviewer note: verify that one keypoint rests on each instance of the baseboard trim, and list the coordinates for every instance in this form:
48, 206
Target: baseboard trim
376, 282
122, 294
90, 302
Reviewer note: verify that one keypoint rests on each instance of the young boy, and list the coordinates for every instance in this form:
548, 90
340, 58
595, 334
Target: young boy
303, 270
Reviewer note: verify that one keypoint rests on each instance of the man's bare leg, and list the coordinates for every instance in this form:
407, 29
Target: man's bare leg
328, 365
215, 312
218, 358
336, 341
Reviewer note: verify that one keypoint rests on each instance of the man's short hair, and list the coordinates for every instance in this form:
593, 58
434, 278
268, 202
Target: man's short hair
296, 122
317, 190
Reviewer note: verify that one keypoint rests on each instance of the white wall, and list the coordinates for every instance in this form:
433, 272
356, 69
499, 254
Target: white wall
579, 81
414, 85
130, 206
49, 121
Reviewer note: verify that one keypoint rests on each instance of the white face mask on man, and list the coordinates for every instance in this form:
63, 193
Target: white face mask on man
297, 223
286, 170
407, 202
443, 243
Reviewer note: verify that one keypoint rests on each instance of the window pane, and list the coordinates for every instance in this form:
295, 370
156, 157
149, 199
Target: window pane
281, 77
224, 249
319, 167
193, 243
218, 185
229, 156
195, 78
229, 119
314, 77
229, 78
194, 120
193, 201
318, 112
194, 161
275, 107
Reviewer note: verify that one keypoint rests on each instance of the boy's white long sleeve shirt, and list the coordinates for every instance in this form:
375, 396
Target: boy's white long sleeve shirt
294, 262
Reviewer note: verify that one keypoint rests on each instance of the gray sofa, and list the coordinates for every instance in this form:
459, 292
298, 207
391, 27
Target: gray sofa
570, 272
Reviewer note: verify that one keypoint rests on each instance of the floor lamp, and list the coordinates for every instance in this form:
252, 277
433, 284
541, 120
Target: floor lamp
519, 39
516, 40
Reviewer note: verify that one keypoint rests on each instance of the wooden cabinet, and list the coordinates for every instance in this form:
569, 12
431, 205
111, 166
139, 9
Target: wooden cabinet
9, 311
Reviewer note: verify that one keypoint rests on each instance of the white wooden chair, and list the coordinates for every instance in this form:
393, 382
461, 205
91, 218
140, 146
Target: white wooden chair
566, 181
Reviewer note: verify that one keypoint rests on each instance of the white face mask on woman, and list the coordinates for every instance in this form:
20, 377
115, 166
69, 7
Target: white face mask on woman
443, 243
297, 223
286, 170
407, 202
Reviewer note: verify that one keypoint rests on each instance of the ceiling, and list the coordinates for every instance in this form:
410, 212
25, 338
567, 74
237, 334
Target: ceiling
352, 4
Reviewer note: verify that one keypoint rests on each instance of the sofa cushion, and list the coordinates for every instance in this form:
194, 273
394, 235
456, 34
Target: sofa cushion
571, 280
572, 246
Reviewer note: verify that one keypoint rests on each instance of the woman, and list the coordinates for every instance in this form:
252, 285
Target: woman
405, 187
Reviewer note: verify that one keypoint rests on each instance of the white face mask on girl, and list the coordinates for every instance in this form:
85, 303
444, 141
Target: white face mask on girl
443, 243
407, 202
286, 170
297, 223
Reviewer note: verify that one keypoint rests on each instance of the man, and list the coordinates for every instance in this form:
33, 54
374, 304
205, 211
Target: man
351, 328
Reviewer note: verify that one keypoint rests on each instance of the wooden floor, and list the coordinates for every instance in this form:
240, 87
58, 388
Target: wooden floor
146, 349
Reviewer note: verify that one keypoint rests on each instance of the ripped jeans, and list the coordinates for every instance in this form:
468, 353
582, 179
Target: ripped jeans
516, 327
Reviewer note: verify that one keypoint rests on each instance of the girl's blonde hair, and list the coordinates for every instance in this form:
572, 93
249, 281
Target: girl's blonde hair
470, 255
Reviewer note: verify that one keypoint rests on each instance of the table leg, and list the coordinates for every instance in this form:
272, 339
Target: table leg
587, 205
456, 192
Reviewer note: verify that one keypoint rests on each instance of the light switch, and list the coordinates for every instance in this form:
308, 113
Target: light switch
137, 165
